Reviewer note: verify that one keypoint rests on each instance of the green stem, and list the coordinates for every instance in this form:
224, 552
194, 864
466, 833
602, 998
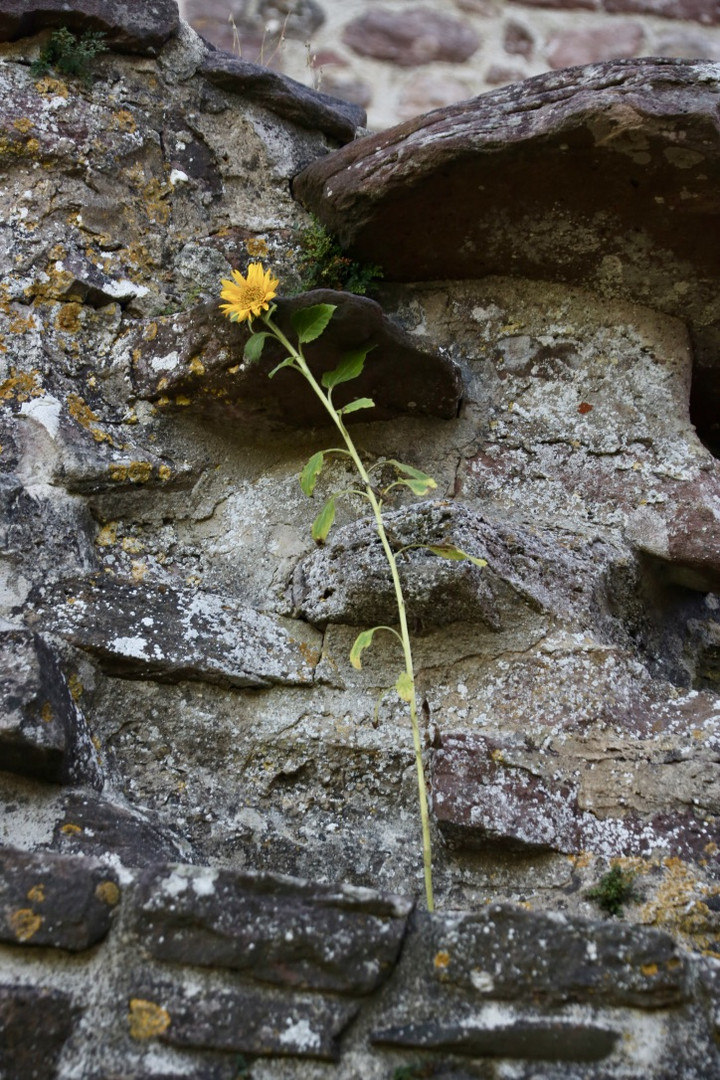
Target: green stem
399, 597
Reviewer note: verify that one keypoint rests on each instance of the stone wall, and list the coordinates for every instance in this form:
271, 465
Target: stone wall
399, 59
210, 862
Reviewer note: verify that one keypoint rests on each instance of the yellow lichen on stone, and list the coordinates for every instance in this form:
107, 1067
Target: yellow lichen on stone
139, 472
146, 1019
67, 319
150, 331
138, 570
70, 829
256, 247
108, 893
46, 713
83, 414
52, 87
36, 893
23, 124
441, 960
75, 687
165, 473
678, 906
132, 545
25, 923
196, 366
21, 386
107, 535
123, 120
181, 399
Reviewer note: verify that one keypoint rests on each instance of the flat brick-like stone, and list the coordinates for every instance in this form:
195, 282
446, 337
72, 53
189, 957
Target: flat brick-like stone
412, 37
172, 634
43, 734
134, 28
276, 929
246, 1021
35, 1024
613, 42
94, 827
706, 12
55, 900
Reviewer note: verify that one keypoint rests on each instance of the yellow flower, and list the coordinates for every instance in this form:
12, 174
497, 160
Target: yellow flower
248, 297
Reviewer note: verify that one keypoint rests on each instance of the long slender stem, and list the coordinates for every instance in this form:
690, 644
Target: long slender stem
399, 597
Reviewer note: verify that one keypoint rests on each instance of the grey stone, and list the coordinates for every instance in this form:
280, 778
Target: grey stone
42, 731
195, 359
55, 900
172, 634
285, 97
134, 28
251, 1021
280, 930
99, 828
35, 1024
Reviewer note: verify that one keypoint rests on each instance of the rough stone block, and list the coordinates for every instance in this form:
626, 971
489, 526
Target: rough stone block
246, 1021
195, 356
276, 929
42, 731
95, 827
55, 900
178, 634
410, 38
35, 1024
134, 28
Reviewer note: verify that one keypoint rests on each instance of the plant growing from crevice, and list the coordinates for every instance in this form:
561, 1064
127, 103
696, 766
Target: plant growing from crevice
70, 55
614, 889
324, 265
248, 298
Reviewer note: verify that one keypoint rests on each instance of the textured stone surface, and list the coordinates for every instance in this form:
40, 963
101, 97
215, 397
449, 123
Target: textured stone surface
42, 731
563, 177
134, 28
34, 1026
195, 360
278, 930
101, 828
246, 1021
54, 900
571, 47
291, 100
126, 626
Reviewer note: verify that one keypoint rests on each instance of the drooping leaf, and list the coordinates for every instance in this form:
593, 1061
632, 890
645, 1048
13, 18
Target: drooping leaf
362, 642
287, 362
254, 346
413, 473
309, 475
405, 687
359, 403
449, 551
349, 368
322, 524
418, 487
309, 323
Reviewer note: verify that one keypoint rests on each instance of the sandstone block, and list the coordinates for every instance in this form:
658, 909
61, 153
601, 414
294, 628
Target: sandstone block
409, 38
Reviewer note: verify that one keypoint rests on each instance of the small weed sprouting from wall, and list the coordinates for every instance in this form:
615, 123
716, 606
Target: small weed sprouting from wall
70, 55
614, 890
323, 264
250, 297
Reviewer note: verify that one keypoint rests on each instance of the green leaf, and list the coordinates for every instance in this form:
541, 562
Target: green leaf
309, 475
359, 403
349, 368
405, 687
322, 524
413, 473
362, 642
449, 551
310, 322
254, 346
287, 362
418, 487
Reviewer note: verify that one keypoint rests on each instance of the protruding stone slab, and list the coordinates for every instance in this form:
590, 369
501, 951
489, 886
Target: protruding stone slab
246, 1021
167, 634
55, 900
97, 828
276, 929
599, 175
134, 28
195, 359
284, 96
35, 1024
42, 731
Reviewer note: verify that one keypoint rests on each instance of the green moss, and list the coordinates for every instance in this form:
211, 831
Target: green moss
69, 54
324, 265
614, 890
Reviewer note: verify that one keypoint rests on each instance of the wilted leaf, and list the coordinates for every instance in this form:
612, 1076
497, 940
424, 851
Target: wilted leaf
418, 487
359, 403
322, 524
413, 473
349, 368
254, 346
362, 641
309, 323
449, 551
405, 687
309, 475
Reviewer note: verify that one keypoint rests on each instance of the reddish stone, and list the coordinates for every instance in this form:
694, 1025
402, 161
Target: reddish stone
499, 75
589, 5
702, 11
612, 42
518, 41
690, 45
419, 36
430, 92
